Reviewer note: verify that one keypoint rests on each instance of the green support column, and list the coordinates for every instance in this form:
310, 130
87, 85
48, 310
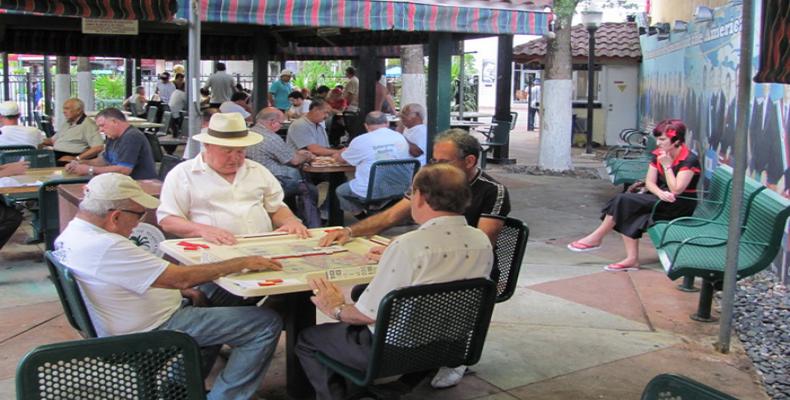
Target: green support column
440, 50
504, 68
260, 72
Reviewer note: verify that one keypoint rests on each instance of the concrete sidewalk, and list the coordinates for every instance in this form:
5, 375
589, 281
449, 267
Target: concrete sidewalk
571, 331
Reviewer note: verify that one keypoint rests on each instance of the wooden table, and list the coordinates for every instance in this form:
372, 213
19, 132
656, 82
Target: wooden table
468, 125
33, 175
336, 176
69, 197
347, 266
145, 124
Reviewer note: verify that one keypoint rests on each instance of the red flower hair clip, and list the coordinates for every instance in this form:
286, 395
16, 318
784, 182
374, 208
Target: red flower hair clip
671, 133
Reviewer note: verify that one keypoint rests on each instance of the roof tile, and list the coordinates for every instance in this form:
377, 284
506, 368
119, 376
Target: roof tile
612, 40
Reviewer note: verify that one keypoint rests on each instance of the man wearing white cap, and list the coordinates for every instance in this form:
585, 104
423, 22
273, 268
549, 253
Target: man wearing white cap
129, 290
220, 193
11, 133
221, 85
279, 91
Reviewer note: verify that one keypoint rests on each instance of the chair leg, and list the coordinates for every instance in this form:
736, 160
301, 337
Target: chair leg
688, 285
705, 303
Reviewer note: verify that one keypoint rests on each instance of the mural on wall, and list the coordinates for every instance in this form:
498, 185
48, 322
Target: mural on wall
693, 76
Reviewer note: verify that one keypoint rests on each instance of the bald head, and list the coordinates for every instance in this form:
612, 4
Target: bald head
270, 118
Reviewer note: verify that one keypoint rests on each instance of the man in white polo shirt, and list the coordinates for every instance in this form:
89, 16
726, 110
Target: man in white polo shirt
11, 133
129, 290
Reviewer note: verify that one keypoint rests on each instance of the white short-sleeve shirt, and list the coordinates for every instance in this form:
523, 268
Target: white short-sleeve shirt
364, 150
11, 135
115, 278
418, 134
444, 249
197, 193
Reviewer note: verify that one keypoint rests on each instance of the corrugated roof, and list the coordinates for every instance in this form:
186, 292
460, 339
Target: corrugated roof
613, 40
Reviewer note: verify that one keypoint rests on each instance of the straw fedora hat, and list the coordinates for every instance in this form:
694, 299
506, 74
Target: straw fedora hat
228, 129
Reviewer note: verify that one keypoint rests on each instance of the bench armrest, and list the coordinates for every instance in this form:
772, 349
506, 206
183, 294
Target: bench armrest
670, 224
690, 241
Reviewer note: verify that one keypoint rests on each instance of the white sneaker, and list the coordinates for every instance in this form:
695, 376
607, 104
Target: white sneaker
448, 377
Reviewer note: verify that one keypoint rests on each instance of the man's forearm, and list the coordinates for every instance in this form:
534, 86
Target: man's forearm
282, 215
183, 277
91, 152
180, 227
320, 150
383, 220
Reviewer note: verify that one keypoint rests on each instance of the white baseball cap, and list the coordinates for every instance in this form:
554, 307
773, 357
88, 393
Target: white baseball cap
286, 72
114, 186
8, 108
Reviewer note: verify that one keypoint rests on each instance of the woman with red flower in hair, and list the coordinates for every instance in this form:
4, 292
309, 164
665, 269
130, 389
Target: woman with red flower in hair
671, 177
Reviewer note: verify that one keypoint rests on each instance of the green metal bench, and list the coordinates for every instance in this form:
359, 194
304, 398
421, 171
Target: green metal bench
670, 386
150, 365
703, 251
634, 146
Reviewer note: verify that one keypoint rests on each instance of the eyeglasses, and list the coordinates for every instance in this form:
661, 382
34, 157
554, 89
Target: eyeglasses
139, 214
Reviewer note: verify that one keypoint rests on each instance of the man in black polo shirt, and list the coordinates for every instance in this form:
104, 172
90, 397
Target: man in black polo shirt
127, 150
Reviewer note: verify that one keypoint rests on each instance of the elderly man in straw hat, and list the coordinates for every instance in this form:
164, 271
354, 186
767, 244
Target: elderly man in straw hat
130, 290
220, 193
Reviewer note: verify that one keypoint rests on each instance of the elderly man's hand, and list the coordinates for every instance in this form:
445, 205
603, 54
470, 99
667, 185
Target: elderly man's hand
15, 168
336, 235
327, 296
258, 263
294, 226
217, 235
76, 168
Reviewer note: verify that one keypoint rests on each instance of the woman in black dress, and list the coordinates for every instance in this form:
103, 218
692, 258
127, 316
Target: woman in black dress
674, 171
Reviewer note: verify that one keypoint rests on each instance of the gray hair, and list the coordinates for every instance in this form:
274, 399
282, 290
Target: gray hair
465, 143
417, 109
101, 208
375, 118
80, 104
267, 114
111, 112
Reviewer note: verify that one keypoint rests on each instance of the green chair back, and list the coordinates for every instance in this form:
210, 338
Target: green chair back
36, 158
70, 296
49, 213
511, 243
669, 386
424, 327
15, 147
156, 147
168, 163
145, 366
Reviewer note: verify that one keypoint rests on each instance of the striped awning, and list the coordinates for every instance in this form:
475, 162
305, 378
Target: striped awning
143, 10
373, 15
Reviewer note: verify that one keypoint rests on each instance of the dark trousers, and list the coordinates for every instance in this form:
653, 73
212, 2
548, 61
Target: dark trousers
348, 344
10, 219
306, 199
531, 118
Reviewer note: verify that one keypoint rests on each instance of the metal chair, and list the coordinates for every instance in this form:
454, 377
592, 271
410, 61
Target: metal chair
49, 214
150, 365
511, 243
156, 147
388, 181
167, 116
670, 386
151, 116
167, 164
70, 296
489, 143
36, 158
513, 119
15, 147
424, 327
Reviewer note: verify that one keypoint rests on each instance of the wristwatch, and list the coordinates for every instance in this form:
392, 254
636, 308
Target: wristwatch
337, 310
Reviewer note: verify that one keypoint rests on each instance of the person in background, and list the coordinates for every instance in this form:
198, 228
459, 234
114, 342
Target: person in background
13, 134
178, 105
443, 249
10, 217
279, 91
127, 151
412, 116
299, 105
137, 99
351, 90
383, 100
179, 80
308, 132
165, 88
238, 103
78, 138
221, 85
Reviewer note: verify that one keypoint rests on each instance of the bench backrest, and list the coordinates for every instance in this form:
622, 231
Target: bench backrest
766, 222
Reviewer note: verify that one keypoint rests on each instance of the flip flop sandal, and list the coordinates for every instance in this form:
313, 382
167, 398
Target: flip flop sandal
580, 247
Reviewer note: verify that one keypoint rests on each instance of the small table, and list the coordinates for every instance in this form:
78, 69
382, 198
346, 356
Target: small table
468, 125
346, 265
336, 176
471, 115
69, 197
32, 179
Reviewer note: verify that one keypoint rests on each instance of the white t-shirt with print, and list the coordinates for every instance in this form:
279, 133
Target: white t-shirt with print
418, 134
364, 150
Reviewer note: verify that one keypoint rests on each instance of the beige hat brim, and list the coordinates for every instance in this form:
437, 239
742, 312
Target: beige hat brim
252, 138
145, 200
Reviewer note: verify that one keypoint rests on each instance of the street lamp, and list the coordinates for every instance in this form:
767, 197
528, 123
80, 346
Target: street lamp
591, 18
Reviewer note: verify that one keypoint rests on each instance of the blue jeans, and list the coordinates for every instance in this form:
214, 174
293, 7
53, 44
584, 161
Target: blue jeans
252, 332
306, 195
348, 200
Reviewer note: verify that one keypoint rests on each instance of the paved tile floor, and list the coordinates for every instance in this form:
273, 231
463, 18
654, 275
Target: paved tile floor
571, 331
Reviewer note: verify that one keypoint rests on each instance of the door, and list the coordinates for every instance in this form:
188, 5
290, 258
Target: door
620, 101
